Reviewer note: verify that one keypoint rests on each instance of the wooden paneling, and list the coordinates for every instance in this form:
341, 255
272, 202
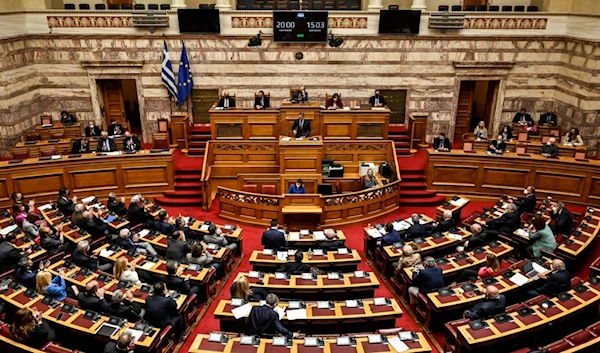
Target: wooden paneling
455, 175
5, 194
38, 183
594, 192
501, 178
145, 176
93, 179
565, 184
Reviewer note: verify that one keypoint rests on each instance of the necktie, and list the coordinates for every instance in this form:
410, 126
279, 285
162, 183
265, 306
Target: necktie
105, 145
262, 102
226, 103
522, 117
376, 101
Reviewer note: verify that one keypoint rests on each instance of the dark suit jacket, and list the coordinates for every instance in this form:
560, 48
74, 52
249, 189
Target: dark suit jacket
176, 283
165, 228
294, 268
487, 308
329, 103
117, 207
96, 130
77, 147
556, 283
264, 320
526, 204
91, 302
428, 279
135, 146
301, 97
518, 117
137, 214
222, 102
82, 260
273, 239
390, 238
176, 250
267, 102
111, 347
66, 206
303, 131
111, 129
418, 230
39, 336
497, 146
161, 311
381, 100
506, 224
111, 145
548, 118
332, 245
51, 244
563, 221
444, 226
26, 278
437, 144
126, 310
552, 150
95, 227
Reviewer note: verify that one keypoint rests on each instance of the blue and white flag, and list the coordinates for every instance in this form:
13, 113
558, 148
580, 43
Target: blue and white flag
168, 77
184, 77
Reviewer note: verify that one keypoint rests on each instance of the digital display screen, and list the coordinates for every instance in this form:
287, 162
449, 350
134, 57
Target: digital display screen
300, 26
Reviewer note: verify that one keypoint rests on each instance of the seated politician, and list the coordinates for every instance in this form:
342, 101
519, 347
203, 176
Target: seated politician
106, 144
480, 132
418, 230
115, 129
494, 304
442, 143
550, 150
226, 101
81, 146
522, 117
558, 281
297, 188
369, 180
335, 102
572, 138
377, 100
301, 127
548, 119
261, 101
507, 132
131, 142
264, 320
67, 118
300, 95
92, 130
497, 146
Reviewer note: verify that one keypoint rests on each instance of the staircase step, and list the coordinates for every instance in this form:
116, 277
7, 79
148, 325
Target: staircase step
188, 185
437, 200
398, 138
397, 129
201, 128
417, 193
412, 185
403, 152
196, 151
200, 137
401, 144
197, 144
165, 201
187, 177
183, 193
411, 178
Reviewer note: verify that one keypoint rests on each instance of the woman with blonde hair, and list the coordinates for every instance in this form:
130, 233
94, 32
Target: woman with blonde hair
125, 271
54, 288
241, 289
30, 328
480, 131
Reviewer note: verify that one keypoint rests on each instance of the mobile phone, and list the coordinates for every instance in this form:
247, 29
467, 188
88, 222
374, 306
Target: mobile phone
60, 316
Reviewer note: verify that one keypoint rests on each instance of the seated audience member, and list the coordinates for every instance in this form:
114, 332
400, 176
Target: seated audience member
19, 214
264, 320
125, 271
527, 203
335, 102
124, 344
261, 101
558, 281
297, 267
226, 101
127, 241
105, 144
77, 217
80, 146
241, 289
29, 226
369, 180
409, 258
301, 126
131, 143
25, 273
273, 238
177, 248
92, 298
215, 236
531, 127
122, 305
478, 238
162, 225
30, 329
52, 242
446, 224
297, 188
9, 253
572, 138
507, 133
425, 279
19, 199
66, 206
180, 224
497, 146
94, 225
548, 118
492, 268
200, 256
331, 242
115, 129
390, 237
377, 100
82, 258
442, 143
494, 304
550, 150
563, 219
67, 118
522, 117
174, 281
541, 236
418, 230
54, 288
480, 132
161, 310
116, 206
137, 213
301, 95
505, 224
92, 130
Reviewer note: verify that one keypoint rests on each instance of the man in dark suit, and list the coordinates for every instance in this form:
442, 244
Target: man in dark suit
92, 298
494, 304
264, 320
177, 247
162, 225
548, 119
124, 344
331, 242
116, 206
301, 127
442, 143
497, 146
563, 219
226, 101
527, 203
297, 267
261, 101
25, 273
82, 258
137, 213
123, 306
80, 146
478, 238
418, 230
557, 282
390, 237
446, 224
67, 118
522, 117
94, 225
377, 100
301, 95
128, 242
425, 279
105, 144
272, 238
66, 206
550, 150
161, 311
9, 254
92, 130
174, 280
131, 142
115, 129
505, 224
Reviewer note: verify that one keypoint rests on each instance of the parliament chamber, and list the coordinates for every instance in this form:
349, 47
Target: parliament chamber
228, 176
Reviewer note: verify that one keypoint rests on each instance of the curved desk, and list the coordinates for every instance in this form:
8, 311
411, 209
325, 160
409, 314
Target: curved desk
491, 176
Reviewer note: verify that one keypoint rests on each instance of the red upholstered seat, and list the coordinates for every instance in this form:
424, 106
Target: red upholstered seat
558, 346
580, 337
575, 281
268, 189
57, 135
251, 188
595, 328
21, 155
55, 348
47, 152
5, 331
32, 137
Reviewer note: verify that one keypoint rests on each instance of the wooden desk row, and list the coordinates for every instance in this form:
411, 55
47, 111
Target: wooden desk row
581, 239
337, 319
533, 147
71, 232
232, 235
430, 245
61, 146
454, 205
45, 133
332, 261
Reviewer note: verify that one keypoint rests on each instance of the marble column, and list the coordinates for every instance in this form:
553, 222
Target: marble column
419, 5
223, 5
375, 5
178, 4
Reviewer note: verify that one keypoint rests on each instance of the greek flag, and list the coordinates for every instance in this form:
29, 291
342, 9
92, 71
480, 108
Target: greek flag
168, 77
184, 77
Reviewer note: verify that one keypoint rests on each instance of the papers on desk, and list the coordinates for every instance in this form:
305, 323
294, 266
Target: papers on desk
294, 236
319, 235
304, 232
523, 233
267, 252
374, 233
505, 206
242, 311
282, 255
458, 203
400, 226
279, 310
318, 252
147, 265
352, 303
204, 228
115, 153
8, 229
380, 301
45, 207
398, 345
454, 236
135, 334
538, 268
297, 314
292, 252
286, 138
143, 233
87, 200
422, 221
56, 156
254, 274
106, 253
498, 213
519, 279
343, 251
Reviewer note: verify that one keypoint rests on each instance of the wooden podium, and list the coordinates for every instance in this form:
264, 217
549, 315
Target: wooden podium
180, 129
288, 113
302, 211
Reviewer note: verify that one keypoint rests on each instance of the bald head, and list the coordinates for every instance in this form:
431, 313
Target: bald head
558, 265
476, 228
492, 292
407, 250
330, 233
91, 287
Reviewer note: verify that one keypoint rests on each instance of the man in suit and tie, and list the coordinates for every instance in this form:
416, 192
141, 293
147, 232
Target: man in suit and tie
226, 101
550, 150
426, 278
92, 298
494, 304
527, 203
177, 247
446, 224
548, 118
161, 310
264, 320
162, 225
105, 144
261, 101
131, 142
174, 280
81, 146
9, 254
442, 143
137, 212
505, 224
563, 219
331, 242
418, 230
522, 117
272, 238
94, 225
497, 146
116, 206
115, 129
557, 282
66, 206
92, 130
377, 100
301, 127
301, 95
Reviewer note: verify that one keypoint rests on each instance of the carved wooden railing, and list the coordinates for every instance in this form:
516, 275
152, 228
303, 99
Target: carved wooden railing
249, 197
361, 196
417, 130
205, 178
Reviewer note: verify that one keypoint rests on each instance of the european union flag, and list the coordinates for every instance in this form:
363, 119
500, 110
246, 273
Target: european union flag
184, 77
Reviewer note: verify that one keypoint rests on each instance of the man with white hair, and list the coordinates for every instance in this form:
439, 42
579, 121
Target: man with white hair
137, 213
478, 238
550, 150
505, 224
105, 144
82, 258
331, 242
116, 206
94, 225
77, 217
130, 242
418, 230
558, 281
123, 306
125, 344
446, 224
494, 304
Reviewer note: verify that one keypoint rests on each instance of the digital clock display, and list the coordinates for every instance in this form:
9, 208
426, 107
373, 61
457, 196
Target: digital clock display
300, 26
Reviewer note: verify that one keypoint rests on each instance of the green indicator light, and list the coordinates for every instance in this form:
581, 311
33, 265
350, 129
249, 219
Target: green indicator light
300, 35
